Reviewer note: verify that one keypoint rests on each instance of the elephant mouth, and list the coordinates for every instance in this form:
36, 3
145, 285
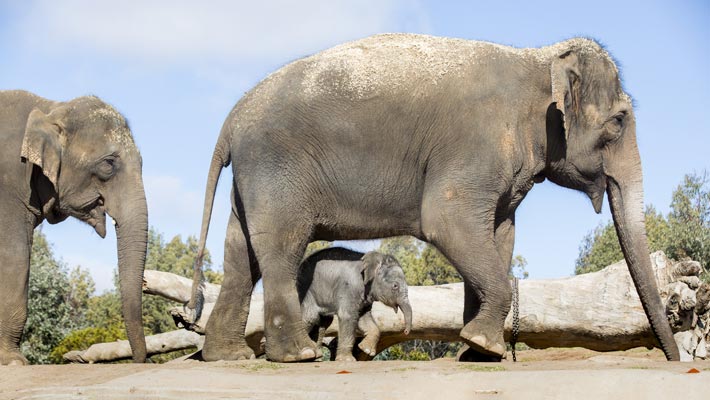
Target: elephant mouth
54, 215
596, 194
97, 219
94, 214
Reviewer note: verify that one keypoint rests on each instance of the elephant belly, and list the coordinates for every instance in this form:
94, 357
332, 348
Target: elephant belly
359, 224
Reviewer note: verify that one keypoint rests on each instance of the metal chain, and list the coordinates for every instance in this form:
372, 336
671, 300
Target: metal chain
516, 320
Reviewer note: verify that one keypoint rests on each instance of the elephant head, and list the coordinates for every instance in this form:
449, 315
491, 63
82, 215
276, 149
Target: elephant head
592, 147
386, 282
90, 167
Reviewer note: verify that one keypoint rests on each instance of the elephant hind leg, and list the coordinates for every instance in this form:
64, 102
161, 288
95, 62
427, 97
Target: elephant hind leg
279, 250
224, 333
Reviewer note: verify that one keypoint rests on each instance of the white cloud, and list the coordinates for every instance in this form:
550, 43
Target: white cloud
224, 31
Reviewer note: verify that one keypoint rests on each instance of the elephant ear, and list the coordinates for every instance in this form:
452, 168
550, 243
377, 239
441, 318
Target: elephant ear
43, 142
565, 78
371, 262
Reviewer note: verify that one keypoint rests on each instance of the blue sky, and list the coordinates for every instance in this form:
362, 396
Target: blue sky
176, 68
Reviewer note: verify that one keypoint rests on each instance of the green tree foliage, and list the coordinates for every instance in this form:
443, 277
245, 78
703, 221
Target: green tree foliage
684, 233
415, 350
104, 311
83, 338
689, 220
176, 257
49, 315
600, 247
422, 263
518, 268
103, 323
81, 288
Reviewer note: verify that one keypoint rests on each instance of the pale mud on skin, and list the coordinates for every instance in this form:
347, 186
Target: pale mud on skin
388, 63
383, 63
540, 374
119, 132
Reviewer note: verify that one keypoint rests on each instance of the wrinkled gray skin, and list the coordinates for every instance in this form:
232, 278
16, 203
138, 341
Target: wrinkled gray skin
61, 159
415, 135
345, 283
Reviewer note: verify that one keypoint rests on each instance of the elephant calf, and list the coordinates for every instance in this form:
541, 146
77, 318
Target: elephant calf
345, 283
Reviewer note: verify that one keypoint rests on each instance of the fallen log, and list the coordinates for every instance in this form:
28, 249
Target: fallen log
167, 342
175, 287
599, 311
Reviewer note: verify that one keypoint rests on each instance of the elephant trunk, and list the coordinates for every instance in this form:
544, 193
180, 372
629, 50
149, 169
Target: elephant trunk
130, 213
407, 311
626, 202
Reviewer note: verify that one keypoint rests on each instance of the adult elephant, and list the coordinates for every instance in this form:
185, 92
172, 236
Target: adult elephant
62, 159
415, 135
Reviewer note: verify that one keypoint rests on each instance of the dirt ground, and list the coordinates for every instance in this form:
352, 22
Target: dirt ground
538, 374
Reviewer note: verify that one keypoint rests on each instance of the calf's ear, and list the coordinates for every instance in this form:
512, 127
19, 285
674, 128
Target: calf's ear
371, 262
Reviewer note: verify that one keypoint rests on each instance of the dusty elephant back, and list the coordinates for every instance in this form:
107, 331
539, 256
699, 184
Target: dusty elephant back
412, 64
378, 65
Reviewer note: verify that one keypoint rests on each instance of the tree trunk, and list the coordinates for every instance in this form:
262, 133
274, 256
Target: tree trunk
599, 311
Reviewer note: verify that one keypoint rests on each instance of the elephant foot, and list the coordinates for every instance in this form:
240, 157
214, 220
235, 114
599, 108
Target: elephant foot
345, 357
485, 341
301, 350
305, 354
368, 347
211, 352
12, 358
467, 354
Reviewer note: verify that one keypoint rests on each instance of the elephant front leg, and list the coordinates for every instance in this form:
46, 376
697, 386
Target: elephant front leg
466, 238
372, 334
504, 241
347, 325
15, 245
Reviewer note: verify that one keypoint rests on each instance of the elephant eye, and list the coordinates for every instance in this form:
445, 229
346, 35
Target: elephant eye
613, 127
395, 286
618, 120
106, 168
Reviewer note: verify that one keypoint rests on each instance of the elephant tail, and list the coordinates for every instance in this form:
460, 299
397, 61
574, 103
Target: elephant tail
221, 158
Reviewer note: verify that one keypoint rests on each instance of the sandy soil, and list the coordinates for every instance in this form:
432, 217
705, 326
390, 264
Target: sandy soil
538, 374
